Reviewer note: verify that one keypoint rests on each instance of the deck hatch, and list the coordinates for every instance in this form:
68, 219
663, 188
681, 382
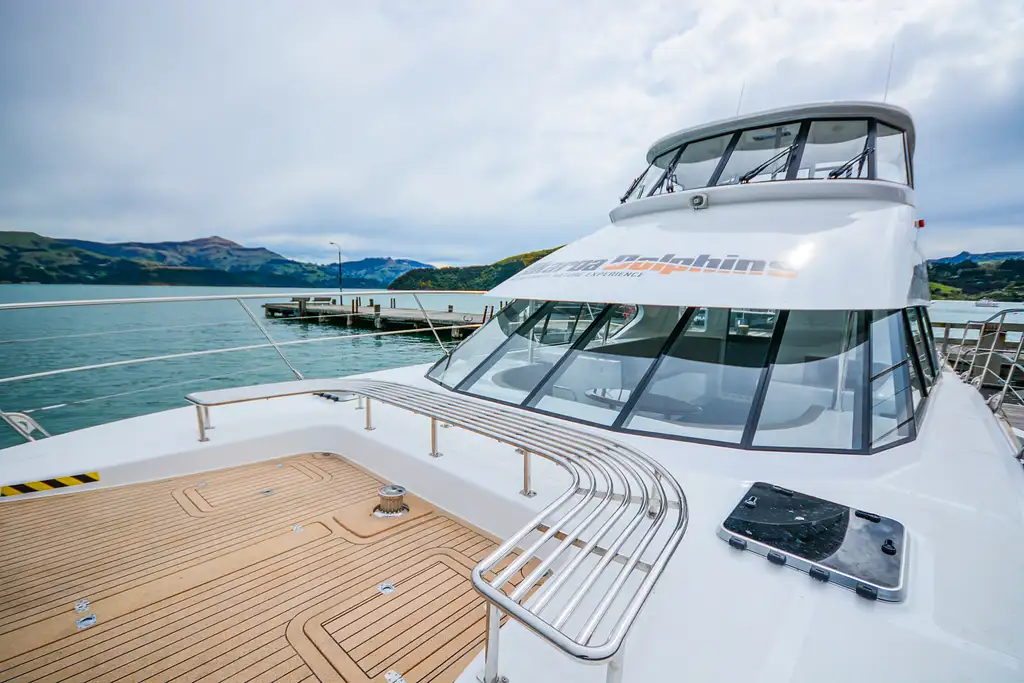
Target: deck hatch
862, 551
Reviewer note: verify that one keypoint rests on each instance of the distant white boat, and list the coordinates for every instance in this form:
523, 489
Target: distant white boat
987, 303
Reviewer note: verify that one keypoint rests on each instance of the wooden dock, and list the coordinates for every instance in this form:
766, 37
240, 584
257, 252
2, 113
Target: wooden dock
378, 316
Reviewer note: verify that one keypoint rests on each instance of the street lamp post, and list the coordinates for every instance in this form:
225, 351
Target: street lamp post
339, 273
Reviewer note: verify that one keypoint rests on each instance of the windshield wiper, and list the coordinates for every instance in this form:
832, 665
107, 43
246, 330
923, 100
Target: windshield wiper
757, 170
636, 181
848, 166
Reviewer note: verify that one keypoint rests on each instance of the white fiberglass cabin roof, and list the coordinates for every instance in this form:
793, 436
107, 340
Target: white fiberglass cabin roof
805, 208
896, 117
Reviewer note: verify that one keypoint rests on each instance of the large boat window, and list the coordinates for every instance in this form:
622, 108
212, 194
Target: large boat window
525, 358
477, 347
835, 149
761, 155
924, 358
817, 379
697, 163
843, 381
647, 183
916, 389
891, 154
704, 385
891, 405
825, 149
596, 379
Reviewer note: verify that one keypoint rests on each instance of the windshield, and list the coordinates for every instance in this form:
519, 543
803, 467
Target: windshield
846, 381
801, 150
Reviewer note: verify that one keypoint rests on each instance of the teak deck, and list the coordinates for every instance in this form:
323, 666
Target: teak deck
266, 572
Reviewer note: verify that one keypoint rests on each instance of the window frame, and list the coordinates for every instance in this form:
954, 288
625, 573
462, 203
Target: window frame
794, 158
862, 435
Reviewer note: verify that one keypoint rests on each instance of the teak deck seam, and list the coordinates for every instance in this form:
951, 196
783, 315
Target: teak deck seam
211, 582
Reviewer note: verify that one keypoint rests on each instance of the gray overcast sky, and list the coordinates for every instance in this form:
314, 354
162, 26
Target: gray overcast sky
463, 132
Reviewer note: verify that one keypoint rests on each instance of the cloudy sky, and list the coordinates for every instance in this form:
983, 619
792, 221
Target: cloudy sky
462, 132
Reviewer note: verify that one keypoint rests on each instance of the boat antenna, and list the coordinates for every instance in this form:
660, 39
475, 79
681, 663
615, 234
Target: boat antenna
888, 76
740, 100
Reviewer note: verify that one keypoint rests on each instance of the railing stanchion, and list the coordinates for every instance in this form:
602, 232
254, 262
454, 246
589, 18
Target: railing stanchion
369, 417
1014, 362
202, 424
491, 653
206, 418
359, 402
615, 666
527, 488
992, 350
434, 453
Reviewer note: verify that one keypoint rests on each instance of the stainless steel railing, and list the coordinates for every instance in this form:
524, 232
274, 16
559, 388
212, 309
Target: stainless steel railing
29, 428
590, 558
1006, 354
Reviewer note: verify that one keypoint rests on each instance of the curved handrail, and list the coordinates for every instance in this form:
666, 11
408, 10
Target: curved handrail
621, 507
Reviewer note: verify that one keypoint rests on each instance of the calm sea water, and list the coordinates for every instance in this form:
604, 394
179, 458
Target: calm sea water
41, 340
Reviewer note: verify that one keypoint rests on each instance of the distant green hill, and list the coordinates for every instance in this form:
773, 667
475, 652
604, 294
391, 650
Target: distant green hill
468, 277
28, 257
986, 278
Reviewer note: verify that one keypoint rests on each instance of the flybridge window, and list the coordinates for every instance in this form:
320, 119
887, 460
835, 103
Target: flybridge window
828, 149
835, 149
760, 155
842, 381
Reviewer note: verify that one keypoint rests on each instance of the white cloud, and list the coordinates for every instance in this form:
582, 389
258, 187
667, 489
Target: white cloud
456, 132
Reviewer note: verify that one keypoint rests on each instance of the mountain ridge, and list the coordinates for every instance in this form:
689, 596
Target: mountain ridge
469, 277
215, 261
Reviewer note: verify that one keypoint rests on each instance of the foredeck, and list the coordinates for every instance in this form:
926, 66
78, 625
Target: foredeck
266, 572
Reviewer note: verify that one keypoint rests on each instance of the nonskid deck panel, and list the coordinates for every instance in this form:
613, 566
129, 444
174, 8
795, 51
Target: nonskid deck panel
265, 572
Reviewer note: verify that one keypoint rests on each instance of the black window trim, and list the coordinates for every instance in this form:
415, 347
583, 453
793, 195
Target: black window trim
641, 386
761, 391
485, 365
914, 418
557, 368
912, 352
795, 157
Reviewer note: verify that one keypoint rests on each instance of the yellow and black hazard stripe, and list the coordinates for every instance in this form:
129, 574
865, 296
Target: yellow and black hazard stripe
49, 484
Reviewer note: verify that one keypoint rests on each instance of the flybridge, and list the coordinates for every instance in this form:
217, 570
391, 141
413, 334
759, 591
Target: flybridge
666, 265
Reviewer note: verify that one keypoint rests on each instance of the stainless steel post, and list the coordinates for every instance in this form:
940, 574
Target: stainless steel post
206, 418
992, 350
527, 488
433, 439
655, 504
491, 652
1015, 361
369, 418
202, 425
359, 402
615, 666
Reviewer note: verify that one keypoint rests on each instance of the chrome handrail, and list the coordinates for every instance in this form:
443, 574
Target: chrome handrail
996, 400
614, 528
17, 421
